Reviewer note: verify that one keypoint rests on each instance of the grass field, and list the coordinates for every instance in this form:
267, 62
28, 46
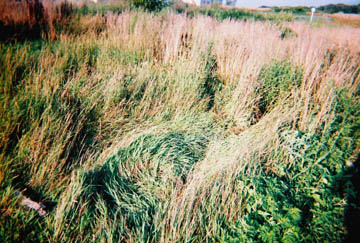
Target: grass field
170, 126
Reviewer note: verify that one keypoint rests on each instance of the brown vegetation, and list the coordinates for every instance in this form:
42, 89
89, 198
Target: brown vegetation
32, 19
341, 19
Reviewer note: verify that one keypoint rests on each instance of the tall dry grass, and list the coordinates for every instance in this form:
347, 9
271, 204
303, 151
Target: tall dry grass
341, 19
33, 19
77, 101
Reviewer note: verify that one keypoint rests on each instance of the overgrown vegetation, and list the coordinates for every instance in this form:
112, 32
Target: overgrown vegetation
336, 8
329, 8
30, 20
150, 5
139, 126
276, 81
304, 198
125, 191
233, 13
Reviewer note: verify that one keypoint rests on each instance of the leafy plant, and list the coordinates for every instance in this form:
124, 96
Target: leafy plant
306, 199
150, 5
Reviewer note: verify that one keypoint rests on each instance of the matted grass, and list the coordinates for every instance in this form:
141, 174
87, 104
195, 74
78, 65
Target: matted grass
159, 127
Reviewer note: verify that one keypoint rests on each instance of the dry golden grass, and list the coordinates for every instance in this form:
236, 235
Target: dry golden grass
341, 19
118, 77
345, 16
346, 19
241, 49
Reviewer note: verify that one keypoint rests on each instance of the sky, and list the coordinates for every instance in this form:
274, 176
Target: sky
257, 3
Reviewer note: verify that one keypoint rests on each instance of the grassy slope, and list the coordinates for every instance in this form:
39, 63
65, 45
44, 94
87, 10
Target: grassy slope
168, 128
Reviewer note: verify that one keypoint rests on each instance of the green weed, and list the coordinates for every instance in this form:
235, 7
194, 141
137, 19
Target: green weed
306, 200
276, 81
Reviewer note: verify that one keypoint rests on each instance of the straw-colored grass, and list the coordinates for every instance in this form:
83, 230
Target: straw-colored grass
143, 127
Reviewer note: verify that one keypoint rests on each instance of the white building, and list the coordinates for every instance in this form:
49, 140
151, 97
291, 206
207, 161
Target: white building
196, 2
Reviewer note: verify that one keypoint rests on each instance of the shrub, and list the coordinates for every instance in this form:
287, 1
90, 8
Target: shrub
150, 5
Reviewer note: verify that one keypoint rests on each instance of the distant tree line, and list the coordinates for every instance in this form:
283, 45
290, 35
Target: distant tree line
335, 8
330, 8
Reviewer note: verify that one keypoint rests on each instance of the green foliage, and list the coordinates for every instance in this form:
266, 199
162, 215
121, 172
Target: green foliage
235, 14
288, 33
270, 214
212, 83
227, 14
65, 103
149, 5
322, 173
101, 8
306, 200
335, 8
295, 10
276, 80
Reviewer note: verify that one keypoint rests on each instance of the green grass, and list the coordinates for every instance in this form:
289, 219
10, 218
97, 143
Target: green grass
276, 81
130, 187
237, 14
102, 9
126, 130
